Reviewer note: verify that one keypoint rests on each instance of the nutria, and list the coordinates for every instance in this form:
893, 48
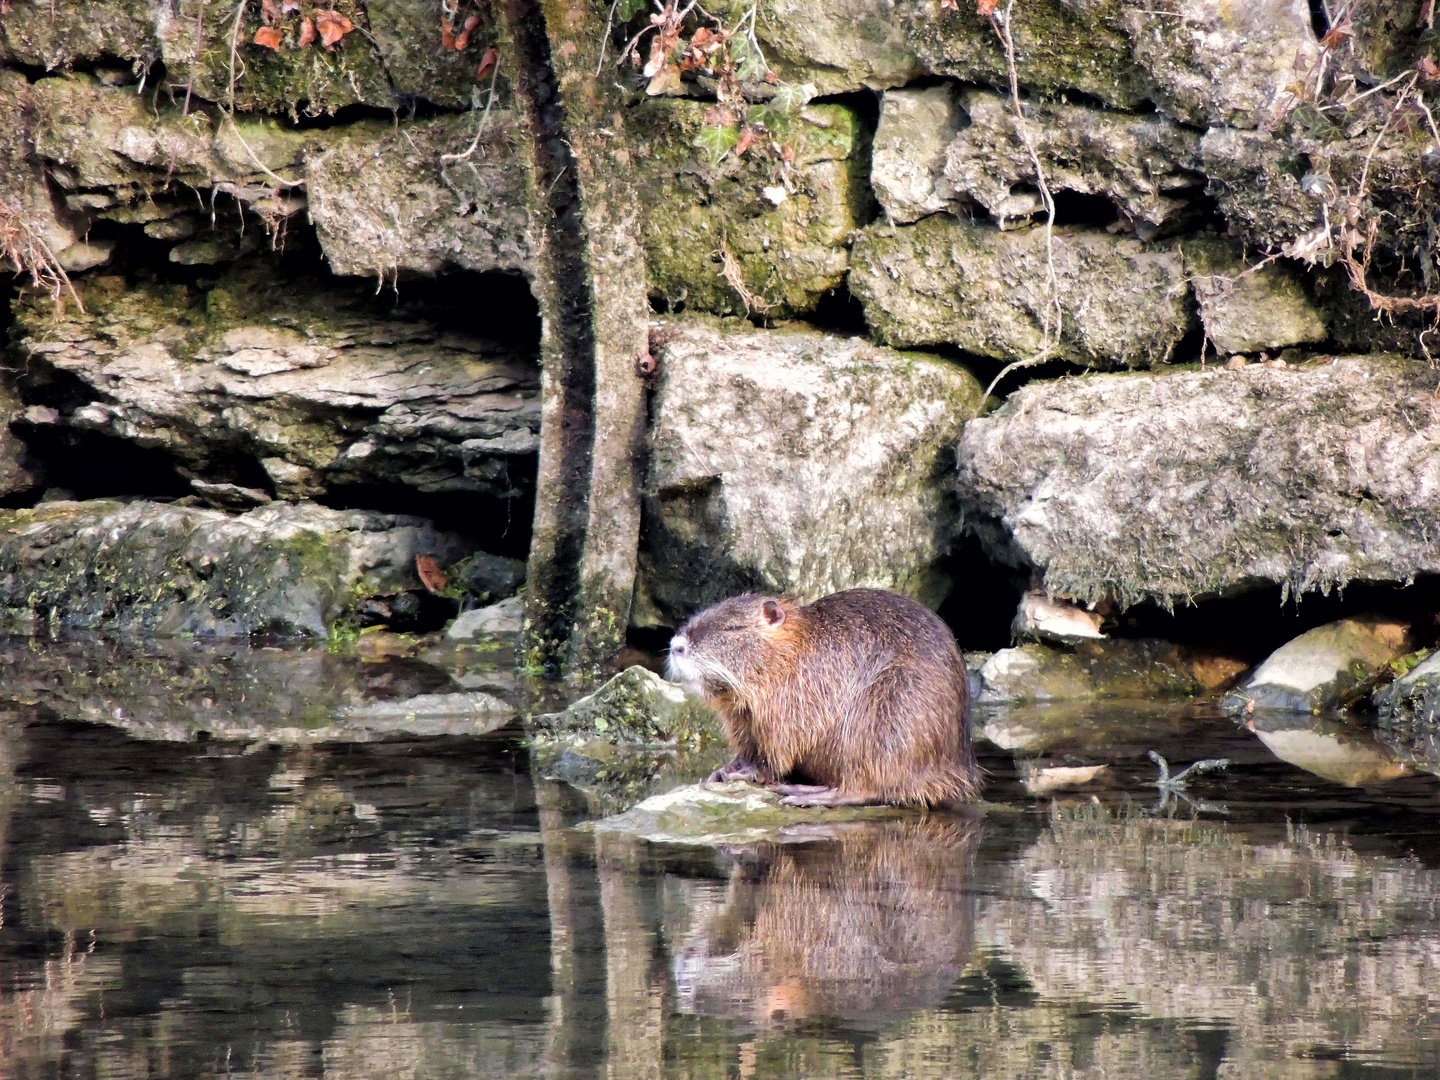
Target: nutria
862, 695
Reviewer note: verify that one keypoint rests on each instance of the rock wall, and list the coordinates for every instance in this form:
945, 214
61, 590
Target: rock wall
370, 254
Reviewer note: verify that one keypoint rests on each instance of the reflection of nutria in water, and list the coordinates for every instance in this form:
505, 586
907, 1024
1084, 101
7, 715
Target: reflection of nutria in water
860, 697
873, 922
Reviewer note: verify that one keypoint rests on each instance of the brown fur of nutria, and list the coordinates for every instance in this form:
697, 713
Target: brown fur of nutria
858, 698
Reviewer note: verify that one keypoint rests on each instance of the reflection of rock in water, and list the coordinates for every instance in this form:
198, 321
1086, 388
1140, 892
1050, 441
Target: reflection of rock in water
874, 922
1329, 749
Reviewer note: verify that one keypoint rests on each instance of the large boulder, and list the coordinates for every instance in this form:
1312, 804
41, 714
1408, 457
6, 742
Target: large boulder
305, 383
1312, 671
163, 569
785, 225
1203, 483
798, 462
944, 280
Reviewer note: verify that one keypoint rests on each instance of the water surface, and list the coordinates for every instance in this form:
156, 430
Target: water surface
404, 907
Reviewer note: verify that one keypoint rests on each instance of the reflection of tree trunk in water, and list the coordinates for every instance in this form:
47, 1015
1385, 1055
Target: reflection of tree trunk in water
575, 1039
635, 1002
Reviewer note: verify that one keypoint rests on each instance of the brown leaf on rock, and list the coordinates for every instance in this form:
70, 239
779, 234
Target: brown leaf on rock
307, 31
269, 12
986, 7
488, 63
269, 36
748, 138
719, 116
332, 27
1334, 37
431, 576
1429, 70
464, 39
447, 34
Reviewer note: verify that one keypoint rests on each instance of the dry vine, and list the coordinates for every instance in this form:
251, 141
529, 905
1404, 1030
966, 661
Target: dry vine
1050, 333
24, 249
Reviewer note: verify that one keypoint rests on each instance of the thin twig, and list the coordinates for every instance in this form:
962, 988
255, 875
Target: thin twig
1048, 344
605, 38
446, 159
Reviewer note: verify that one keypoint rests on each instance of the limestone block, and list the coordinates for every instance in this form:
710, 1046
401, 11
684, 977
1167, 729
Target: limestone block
798, 462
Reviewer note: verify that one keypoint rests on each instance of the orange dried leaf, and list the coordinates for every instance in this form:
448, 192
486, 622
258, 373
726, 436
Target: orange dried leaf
1334, 37
488, 63
307, 31
462, 40
748, 138
1429, 70
431, 576
986, 7
332, 26
269, 36
447, 34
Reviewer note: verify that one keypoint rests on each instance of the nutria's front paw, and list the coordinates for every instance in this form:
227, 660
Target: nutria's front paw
736, 769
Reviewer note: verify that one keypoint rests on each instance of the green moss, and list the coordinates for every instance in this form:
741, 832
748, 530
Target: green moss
789, 254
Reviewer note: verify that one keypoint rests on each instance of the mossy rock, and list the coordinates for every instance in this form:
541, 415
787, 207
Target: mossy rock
787, 225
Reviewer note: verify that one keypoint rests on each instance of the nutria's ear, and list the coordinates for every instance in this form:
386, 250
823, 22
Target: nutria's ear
773, 612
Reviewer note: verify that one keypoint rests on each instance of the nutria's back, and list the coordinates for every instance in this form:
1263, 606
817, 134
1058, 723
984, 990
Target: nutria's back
862, 692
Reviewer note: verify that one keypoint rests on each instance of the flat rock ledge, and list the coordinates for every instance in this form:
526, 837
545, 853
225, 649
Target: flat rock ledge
165, 569
1205, 483
708, 815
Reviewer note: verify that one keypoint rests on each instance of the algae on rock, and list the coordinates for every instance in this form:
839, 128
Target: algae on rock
163, 569
786, 224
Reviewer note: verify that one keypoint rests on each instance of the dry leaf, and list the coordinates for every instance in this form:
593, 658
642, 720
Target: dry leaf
431, 576
665, 81
289, 7
269, 12
447, 34
464, 39
488, 63
986, 7
332, 26
748, 138
718, 116
1334, 37
269, 36
307, 31
1429, 70
949, 5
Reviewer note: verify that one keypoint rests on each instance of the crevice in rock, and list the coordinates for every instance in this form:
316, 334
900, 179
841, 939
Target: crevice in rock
1319, 18
86, 465
839, 312
1254, 624
983, 598
498, 525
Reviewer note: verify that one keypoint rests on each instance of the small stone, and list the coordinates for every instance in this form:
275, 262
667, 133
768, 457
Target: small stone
230, 496
506, 617
176, 228
202, 253
86, 255
491, 577
1236, 362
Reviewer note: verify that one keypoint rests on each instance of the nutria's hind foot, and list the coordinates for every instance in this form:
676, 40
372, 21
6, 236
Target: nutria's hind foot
737, 768
798, 789
824, 796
